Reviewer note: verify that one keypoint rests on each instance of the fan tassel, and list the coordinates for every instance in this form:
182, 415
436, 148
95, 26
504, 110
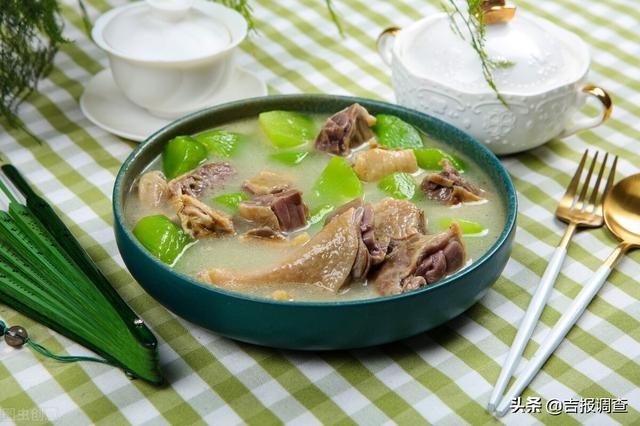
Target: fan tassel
17, 336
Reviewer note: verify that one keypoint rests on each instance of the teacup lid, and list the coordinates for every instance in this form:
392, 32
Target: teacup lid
165, 30
536, 55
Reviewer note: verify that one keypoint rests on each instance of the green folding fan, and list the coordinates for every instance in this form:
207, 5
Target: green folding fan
47, 275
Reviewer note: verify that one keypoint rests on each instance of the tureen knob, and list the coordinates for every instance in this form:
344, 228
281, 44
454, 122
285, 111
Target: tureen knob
172, 10
497, 11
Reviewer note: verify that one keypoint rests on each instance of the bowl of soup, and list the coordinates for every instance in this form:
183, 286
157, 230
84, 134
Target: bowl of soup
314, 222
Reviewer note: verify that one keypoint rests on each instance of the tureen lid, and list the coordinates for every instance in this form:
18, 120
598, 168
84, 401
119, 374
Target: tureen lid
535, 54
164, 30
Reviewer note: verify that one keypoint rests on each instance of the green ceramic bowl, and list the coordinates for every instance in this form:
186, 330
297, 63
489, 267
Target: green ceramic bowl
312, 325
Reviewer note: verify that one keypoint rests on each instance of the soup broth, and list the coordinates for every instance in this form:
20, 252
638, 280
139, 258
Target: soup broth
252, 157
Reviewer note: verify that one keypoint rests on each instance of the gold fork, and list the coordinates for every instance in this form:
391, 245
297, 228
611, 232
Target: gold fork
577, 211
581, 213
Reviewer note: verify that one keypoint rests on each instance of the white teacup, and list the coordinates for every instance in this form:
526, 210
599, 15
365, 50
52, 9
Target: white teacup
170, 56
449, 84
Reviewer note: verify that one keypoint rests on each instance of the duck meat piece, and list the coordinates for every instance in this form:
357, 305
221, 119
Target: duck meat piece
289, 209
199, 220
377, 251
370, 252
196, 182
448, 186
153, 189
362, 263
325, 261
380, 224
374, 164
396, 220
283, 211
419, 261
353, 204
267, 235
259, 214
267, 182
346, 129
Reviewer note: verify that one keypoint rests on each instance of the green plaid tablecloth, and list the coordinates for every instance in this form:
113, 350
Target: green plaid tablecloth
444, 376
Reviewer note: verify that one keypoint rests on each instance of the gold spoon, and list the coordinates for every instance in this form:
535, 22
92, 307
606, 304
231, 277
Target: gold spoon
622, 216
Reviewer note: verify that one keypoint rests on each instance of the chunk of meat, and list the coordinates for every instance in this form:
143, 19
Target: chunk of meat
259, 213
267, 182
281, 211
374, 164
200, 220
448, 186
380, 224
289, 209
362, 263
377, 251
370, 252
396, 220
196, 182
267, 235
346, 129
353, 204
325, 261
420, 260
153, 189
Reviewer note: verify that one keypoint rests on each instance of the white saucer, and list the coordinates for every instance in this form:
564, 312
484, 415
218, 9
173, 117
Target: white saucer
104, 104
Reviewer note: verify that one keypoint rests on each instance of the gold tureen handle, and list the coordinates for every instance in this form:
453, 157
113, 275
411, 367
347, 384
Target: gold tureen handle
385, 44
606, 108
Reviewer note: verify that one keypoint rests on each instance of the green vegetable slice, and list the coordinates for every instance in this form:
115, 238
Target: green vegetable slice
429, 159
182, 153
337, 184
468, 227
163, 238
399, 185
287, 129
290, 158
231, 200
394, 133
220, 143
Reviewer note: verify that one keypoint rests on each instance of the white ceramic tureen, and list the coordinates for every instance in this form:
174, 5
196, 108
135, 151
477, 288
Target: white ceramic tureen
436, 71
170, 56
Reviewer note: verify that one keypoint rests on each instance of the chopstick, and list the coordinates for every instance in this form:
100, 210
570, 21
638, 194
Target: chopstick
528, 324
557, 334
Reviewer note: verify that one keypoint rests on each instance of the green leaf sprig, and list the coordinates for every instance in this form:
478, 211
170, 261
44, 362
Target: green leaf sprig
245, 9
30, 34
475, 25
